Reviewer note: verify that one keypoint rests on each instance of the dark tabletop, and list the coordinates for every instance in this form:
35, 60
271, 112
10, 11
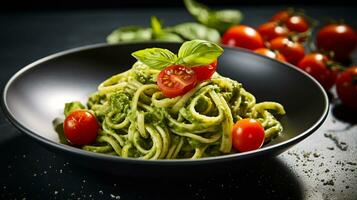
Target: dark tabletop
323, 166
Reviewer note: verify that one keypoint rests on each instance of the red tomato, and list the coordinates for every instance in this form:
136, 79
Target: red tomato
80, 127
292, 51
297, 23
176, 80
205, 72
247, 134
338, 38
281, 16
271, 30
270, 53
346, 86
316, 65
243, 36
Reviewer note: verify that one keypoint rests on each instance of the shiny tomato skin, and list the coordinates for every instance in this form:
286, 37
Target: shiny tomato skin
242, 36
315, 64
280, 16
247, 135
346, 87
205, 72
292, 51
80, 128
271, 54
338, 38
297, 23
176, 80
271, 30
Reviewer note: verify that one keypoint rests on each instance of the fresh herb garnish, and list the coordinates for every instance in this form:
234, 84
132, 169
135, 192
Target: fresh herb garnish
129, 34
191, 53
198, 52
156, 58
220, 20
157, 32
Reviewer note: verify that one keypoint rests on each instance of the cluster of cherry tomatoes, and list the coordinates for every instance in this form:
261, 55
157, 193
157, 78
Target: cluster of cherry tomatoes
284, 38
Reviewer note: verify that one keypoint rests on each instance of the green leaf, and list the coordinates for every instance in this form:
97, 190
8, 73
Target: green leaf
72, 106
191, 31
155, 58
156, 26
160, 34
129, 34
220, 20
168, 37
198, 52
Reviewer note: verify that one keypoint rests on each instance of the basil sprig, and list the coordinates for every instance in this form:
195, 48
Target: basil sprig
220, 20
177, 33
191, 53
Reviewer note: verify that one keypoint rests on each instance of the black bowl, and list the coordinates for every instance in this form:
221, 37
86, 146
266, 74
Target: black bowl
35, 96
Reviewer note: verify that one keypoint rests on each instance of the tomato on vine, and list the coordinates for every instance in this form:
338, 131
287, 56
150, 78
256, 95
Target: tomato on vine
243, 36
293, 51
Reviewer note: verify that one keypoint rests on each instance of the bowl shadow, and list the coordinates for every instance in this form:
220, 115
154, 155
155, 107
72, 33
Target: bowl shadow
260, 179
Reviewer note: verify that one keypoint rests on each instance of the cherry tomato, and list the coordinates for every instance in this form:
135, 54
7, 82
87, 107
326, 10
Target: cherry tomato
176, 80
316, 65
297, 23
338, 38
270, 53
292, 51
243, 36
247, 135
271, 30
281, 16
205, 72
80, 127
346, 86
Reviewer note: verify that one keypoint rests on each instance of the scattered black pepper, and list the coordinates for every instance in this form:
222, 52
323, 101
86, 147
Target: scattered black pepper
351, 163
341, 145
316, 155
329, 182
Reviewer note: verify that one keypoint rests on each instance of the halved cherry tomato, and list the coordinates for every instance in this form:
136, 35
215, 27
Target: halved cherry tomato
205, 72
271, 30
281, 16
270, 53
243, 36
176, 80
297, 23
247, 135
338, 38
316, 64
346, 87
291, 50
80, 127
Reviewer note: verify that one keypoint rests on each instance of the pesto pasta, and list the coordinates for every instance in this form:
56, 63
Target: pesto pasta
138, 121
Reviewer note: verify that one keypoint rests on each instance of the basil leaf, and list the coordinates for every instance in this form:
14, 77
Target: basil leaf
168, 37
129, 34
191, 31
162, 35
220, 20
155, 58
156, 26
72, 106
198, 52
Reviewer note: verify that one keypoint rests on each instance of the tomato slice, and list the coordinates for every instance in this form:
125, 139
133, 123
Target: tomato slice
80, 127
205, 72
176, 80
247, 135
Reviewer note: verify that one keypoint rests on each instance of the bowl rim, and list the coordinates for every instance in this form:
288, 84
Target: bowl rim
79, 152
